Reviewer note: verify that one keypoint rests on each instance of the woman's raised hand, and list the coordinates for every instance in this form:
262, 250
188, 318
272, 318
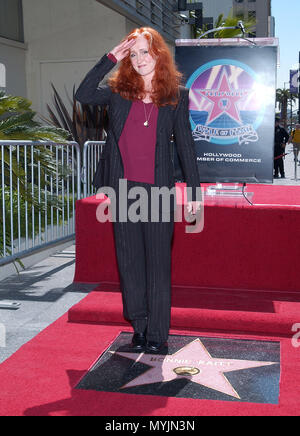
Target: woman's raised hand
122, 50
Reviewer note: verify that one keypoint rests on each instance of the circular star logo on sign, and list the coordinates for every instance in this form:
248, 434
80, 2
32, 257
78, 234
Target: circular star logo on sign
227, 102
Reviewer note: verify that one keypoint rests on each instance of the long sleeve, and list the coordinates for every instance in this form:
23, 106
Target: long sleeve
89, 91
186, 145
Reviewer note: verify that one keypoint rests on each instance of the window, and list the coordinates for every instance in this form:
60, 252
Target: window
2, 76
11, 20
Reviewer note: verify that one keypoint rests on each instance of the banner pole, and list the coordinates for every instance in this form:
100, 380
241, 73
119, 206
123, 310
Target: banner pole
299, 89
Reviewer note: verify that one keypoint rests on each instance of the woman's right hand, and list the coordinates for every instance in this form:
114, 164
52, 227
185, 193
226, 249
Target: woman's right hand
122, 50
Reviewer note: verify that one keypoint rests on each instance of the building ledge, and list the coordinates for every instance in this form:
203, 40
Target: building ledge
12, 43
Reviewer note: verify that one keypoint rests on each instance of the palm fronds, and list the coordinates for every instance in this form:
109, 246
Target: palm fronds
17, 122
230, 21
83, 122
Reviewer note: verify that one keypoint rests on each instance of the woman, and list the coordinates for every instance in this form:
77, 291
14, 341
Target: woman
146, 106
295, 139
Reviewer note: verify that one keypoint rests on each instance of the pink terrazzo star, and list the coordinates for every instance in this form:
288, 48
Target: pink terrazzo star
224, 100
192, 362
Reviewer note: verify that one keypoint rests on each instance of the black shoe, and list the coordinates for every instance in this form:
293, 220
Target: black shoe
276, 176
138, 341
156, 347
283, 176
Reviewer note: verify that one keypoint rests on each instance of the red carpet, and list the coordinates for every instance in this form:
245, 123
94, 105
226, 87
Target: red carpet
39, 380
241, 246
208, 309
230, 281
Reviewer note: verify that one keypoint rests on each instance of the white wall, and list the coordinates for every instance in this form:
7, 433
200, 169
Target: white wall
214, 8
263, 11
262, 14
65, 39
12, 56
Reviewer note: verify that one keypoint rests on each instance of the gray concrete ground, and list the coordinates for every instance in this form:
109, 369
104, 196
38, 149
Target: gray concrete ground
289, 169
46, 291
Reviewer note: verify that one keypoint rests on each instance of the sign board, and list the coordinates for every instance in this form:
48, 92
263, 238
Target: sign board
232, 87
294, 81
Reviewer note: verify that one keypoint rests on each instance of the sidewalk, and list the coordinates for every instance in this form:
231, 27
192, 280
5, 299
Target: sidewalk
289, 167
46, 291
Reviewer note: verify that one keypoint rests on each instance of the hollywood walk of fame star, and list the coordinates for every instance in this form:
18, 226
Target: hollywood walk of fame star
192, 362
224, 100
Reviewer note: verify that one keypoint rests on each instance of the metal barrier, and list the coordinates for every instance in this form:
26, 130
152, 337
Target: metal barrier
39, 184
295, 151
91, 155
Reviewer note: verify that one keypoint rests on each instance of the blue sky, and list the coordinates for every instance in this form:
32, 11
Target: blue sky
287, 22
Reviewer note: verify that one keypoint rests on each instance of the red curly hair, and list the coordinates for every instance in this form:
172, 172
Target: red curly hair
130, 85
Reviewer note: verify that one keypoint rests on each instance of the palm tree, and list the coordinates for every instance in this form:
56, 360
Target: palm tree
17, 123
283, 97
230, 21
84, 122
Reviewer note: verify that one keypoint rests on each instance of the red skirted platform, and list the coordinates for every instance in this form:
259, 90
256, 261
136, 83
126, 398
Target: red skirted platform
251, 312
241, 247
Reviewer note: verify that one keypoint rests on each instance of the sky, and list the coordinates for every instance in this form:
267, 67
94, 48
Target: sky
287, 29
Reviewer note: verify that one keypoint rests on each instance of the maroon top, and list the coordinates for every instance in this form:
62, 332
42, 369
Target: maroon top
137, 142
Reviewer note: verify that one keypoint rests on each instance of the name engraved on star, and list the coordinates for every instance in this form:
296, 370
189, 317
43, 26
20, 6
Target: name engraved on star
189, 362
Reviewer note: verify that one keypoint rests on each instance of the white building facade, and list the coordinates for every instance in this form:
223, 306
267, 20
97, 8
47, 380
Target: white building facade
59, 41
260, 10
214, 8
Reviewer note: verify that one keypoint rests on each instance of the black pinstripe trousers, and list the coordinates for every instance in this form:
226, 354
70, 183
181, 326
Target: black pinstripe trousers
143, 251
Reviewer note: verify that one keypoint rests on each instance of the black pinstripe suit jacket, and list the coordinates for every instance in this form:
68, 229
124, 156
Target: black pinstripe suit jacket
170, 121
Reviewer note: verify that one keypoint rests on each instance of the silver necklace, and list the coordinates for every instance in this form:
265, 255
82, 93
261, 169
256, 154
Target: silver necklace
146, 123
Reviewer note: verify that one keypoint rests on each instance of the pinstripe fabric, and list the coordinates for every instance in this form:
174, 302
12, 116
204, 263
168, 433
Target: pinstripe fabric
144, 249
144, 260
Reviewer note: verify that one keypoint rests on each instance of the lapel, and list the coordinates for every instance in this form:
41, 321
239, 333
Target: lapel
163, 114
